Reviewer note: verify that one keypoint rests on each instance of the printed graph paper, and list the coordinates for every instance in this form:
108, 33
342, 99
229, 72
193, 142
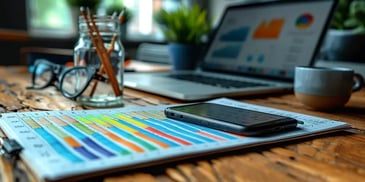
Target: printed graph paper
60, 144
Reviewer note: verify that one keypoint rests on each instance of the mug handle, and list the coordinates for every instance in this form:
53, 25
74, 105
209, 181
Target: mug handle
358, 82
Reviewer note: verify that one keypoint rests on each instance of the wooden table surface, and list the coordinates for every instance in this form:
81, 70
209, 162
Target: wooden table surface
333, 157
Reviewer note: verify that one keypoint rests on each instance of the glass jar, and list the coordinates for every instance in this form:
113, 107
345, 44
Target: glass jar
101, 93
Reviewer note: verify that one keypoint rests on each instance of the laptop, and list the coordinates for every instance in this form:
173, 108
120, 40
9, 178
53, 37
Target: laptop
254, 51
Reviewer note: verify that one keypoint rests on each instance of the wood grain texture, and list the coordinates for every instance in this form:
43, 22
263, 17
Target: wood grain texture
332, 157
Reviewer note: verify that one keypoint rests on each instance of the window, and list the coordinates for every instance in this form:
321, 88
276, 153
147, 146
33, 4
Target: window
142, 26
56, 19
50, 19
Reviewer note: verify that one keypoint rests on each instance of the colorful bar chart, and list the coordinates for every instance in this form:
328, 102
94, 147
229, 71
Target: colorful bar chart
61, 144
79, 138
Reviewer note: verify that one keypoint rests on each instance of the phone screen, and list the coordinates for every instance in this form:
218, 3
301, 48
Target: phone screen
229, 118
234, 115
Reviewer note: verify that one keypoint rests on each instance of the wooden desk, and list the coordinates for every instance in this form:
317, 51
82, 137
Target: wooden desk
333, 157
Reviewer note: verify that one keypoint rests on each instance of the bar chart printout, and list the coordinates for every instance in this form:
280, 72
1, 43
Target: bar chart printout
61, 144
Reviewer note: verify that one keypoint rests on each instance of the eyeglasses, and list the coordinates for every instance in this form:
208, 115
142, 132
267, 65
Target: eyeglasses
71, 81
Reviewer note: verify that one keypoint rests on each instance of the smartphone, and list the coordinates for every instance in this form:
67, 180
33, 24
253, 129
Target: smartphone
231, 119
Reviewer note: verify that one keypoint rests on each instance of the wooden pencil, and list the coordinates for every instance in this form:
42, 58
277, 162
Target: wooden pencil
101, 69
100, 49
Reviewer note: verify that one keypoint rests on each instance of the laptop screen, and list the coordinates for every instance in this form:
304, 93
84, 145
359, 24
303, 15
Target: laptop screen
268, 38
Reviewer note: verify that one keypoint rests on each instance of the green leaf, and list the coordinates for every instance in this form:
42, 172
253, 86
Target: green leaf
350, 14
184, 25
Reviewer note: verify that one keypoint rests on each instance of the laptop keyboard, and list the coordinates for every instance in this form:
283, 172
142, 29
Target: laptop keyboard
221, 82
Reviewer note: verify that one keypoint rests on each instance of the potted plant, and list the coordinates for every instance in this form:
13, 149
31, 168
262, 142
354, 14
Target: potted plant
184, 29
346, 39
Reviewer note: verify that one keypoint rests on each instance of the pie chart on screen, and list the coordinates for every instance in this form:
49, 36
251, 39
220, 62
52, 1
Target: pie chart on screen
304, 21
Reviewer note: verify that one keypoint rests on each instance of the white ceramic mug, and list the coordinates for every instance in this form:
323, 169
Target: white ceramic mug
325, 88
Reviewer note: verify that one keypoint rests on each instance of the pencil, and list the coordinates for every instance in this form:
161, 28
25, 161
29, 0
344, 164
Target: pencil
101, 70
100, 49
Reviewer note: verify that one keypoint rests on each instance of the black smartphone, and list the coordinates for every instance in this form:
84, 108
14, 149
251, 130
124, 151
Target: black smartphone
231, 119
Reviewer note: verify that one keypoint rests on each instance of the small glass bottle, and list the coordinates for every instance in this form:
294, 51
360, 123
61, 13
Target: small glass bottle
87, 54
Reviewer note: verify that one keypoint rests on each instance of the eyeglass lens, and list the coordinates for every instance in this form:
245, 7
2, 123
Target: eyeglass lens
43, 75
75, 81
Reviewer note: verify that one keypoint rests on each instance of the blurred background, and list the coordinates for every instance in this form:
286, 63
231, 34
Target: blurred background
27, 24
